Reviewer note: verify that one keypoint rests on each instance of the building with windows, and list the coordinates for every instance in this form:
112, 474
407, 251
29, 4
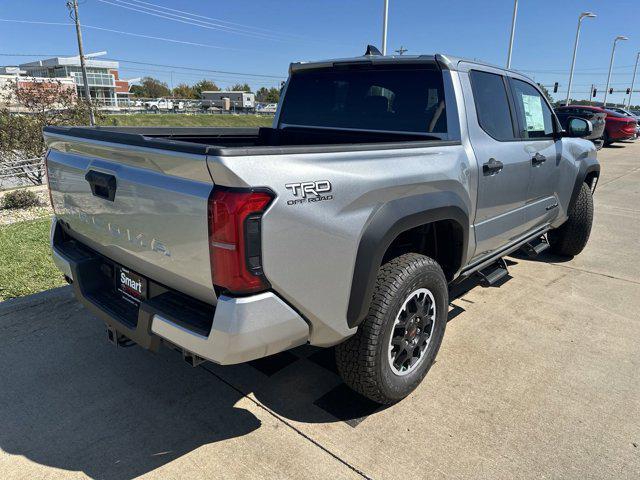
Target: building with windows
102, 76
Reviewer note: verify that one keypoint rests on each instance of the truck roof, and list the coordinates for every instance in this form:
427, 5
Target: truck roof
448, 62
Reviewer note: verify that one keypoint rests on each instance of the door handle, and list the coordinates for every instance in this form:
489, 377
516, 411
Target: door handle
538, 159
103, 185
492, 167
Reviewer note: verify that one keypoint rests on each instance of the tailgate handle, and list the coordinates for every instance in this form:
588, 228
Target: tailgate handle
103, 185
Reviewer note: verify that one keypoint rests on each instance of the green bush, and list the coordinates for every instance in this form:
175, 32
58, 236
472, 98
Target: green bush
20, 199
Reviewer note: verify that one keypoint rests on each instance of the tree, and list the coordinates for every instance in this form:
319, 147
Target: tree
268, 95
35, 104
546, 93
240, 87
204, 85
150, 88
184, 91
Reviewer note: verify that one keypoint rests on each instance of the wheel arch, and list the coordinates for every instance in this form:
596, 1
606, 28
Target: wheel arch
586, 174
386, 225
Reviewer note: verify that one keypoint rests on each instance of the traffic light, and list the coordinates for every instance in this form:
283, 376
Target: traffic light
628, 91
595, 92
555, 87
610, 91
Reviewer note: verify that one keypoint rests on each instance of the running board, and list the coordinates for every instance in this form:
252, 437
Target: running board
492, 274
535, 247
490, 259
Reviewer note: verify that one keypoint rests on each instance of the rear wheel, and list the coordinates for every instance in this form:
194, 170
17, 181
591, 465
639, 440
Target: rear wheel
398, 341
606, 139
572, 236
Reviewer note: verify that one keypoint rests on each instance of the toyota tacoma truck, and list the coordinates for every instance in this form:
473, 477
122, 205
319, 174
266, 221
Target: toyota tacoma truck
382, 183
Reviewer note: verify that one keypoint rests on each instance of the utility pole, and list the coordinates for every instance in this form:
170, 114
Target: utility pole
401, 50
633, 81
385, 18
72, 5
583, 15
613, 52
513, 32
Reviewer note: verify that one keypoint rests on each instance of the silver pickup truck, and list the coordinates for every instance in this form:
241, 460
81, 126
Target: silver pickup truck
383, 182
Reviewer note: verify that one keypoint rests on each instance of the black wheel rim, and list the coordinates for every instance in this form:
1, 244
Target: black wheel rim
412, 331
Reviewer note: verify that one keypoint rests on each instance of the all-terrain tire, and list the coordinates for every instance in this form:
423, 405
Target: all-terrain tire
572, 236
363, 360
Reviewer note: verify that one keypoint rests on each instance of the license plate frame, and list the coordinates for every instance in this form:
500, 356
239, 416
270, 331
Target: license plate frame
132, 287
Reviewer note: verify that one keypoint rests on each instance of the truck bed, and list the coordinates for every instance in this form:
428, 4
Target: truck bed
248, 141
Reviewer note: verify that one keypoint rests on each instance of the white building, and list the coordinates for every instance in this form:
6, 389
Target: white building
102, 75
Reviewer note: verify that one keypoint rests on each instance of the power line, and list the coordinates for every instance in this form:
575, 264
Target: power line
191, 21
243, 74
177, 67
211, 18
122, 32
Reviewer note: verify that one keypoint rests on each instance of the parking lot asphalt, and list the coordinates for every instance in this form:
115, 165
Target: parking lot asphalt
537, 378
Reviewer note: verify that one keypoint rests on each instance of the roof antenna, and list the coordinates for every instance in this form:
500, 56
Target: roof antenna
371, 50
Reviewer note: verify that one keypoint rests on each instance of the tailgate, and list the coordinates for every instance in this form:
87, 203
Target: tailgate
144, 208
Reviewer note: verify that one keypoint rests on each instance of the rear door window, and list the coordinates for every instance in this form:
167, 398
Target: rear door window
492, 105
387, 98
534, 115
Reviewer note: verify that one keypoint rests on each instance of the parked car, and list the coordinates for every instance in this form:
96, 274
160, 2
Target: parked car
630, 113
383, 182
623, 111
163, 104
268, 108
623, 127
617, 126
597, 119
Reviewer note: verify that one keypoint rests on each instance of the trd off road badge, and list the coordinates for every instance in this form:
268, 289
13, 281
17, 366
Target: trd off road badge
309, 192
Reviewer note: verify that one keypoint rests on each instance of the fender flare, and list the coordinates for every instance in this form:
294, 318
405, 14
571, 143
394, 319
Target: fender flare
584, 170
389, 221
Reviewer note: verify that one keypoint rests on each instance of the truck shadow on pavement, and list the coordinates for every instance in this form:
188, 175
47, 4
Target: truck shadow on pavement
69, 402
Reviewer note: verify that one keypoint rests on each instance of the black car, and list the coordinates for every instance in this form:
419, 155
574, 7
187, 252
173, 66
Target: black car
597, 119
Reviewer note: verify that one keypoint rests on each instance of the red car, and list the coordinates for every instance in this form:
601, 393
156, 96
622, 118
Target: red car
618, 127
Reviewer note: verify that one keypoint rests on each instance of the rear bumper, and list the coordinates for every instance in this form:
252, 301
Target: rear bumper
236, 330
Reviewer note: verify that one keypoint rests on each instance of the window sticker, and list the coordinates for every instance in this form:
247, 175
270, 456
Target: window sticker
534, 119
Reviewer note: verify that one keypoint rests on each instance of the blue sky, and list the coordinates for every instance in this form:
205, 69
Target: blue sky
262, 37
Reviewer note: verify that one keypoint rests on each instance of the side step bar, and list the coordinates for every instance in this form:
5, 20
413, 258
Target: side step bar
535, 247
490, 259
492, 274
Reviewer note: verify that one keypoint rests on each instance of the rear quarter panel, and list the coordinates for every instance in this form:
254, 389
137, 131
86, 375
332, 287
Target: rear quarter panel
309, 248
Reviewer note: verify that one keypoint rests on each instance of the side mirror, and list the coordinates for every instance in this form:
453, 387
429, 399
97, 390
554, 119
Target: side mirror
579, 127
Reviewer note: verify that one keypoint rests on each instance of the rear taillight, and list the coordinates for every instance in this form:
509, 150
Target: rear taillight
235, 239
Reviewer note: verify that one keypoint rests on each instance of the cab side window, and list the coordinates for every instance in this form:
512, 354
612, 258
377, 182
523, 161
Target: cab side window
534, 115
492, 105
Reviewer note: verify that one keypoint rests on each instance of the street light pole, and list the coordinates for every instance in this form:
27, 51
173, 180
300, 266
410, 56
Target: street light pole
513, 32
613, 51
385, 18
575, 51
73, 5
633, 80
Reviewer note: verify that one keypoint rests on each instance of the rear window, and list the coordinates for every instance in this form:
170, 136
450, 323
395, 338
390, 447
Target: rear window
492, 105
397, 99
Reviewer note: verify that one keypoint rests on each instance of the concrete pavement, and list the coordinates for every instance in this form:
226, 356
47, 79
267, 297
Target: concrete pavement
535, 379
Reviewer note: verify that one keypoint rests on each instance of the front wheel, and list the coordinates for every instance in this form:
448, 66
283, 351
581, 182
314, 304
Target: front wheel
397, 342
572, 236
